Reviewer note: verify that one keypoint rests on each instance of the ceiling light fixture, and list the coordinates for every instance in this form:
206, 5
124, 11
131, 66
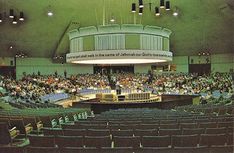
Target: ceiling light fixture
141, 4
14, 20
133, 7
21, 17
157, 13
167, 5
175, 12
11, 13
50, 13
0, 17
140, 11
162, 5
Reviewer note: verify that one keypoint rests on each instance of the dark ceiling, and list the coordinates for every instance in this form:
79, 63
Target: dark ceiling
201, 24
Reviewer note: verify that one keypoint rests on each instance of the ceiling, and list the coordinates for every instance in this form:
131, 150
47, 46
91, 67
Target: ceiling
201, 24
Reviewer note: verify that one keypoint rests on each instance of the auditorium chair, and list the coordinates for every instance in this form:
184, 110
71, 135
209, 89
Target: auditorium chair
98, 132
187, 141
188, 125
126, 141
168, 121
12, 149
169, 132
6, 134
74, 132
213, 140
145, 132
121, 132
225, 124
222, 130
41, 150
156, 141
147, 126
19, 124
189, 131
94, 126
97, 141
230, 141
69, 141
36, 123
208, 125
52, 131
41, 141
169, 126
48, 121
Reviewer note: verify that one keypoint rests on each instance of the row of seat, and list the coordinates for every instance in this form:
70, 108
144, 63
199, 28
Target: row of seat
135, 132
149, 125
224, 149
195, 141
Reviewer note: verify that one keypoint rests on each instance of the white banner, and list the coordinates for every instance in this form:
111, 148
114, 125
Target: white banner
119, 57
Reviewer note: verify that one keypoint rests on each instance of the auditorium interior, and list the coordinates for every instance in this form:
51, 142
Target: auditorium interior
116, 76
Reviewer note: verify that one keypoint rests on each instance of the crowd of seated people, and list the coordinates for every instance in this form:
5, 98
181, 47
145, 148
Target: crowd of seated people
34, 86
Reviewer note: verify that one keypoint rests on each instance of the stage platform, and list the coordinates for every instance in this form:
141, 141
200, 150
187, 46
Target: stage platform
165, 102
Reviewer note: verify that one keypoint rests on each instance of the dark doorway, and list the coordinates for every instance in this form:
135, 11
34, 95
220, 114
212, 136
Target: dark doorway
200, 68
112, 69
8, 71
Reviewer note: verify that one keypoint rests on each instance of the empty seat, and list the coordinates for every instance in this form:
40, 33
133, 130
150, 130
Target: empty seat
193, 131
36, 124
156, 141
11, 149
126, 141
98, 132
147, 126
212, 140
122, 132
95, 150
69, 141
169, 126
146, 132
6, 135
97, 141
230, 139
185, 140
169, 132
41, 141
52, 131
225, 124
42, 150
221, 130
207, 125
188, 125
19, 124
74, 132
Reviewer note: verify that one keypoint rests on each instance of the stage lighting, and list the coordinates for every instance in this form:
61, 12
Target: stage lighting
141, 4
21, 17
133, 7
167, 5
157, 13
11, 14
162, 5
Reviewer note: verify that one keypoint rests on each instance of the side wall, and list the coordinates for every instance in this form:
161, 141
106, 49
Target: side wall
219, 63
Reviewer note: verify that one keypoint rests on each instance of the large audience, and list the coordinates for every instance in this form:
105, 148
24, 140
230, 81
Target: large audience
34, 86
